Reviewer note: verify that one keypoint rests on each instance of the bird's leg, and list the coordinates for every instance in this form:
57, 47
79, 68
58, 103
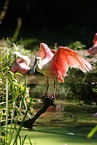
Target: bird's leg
15, 59
47, 87
54, 88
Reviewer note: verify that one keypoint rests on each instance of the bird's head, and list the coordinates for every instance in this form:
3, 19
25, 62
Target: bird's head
36, 62
43, 45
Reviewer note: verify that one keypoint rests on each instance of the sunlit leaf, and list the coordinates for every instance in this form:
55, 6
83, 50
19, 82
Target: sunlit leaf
24, 139
30, 140
2, 137
7, 56
91, 133
19, 74
7, 70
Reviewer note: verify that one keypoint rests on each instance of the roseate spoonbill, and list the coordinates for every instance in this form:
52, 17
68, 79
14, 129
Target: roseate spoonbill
95, 39
55, 63
93, 50
21, 65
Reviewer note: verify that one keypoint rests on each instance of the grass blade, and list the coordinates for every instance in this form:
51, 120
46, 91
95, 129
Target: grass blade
91, 133
6, 106
30, 140
24, 139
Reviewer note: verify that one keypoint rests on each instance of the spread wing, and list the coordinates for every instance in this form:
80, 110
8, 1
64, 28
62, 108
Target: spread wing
45, 51
65, 57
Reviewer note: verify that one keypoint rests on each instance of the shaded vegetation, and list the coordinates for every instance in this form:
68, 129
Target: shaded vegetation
15, 101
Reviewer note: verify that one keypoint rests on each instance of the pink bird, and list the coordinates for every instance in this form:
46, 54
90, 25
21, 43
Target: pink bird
21, 65
95, 39
93, 50
55, 64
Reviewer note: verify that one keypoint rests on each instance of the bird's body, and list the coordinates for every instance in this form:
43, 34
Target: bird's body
55, 63
93, 50
43, 67
21, 65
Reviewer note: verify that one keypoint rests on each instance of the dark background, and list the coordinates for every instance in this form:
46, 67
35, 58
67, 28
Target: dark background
79, 15
51, 13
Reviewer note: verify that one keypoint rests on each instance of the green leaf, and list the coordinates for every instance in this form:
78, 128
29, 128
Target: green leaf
30, 140
24, 139
3, 137
91, 133
6, 70
19, 74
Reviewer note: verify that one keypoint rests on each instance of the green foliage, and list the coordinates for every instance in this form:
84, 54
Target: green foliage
15, 101
8, 52
77, 45
15, 105
31, 44
81, 86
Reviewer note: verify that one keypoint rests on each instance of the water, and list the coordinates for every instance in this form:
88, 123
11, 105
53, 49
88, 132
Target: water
37, 84
37, 88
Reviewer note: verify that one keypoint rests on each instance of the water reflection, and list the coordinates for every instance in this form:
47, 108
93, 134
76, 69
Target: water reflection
37, 84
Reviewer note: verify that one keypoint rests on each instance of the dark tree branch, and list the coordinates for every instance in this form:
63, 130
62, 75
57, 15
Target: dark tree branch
47, 101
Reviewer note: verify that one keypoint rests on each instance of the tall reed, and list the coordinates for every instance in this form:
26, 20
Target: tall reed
12, 132
6, 106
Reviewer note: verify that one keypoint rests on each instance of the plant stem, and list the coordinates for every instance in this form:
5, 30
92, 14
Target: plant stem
6, 106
